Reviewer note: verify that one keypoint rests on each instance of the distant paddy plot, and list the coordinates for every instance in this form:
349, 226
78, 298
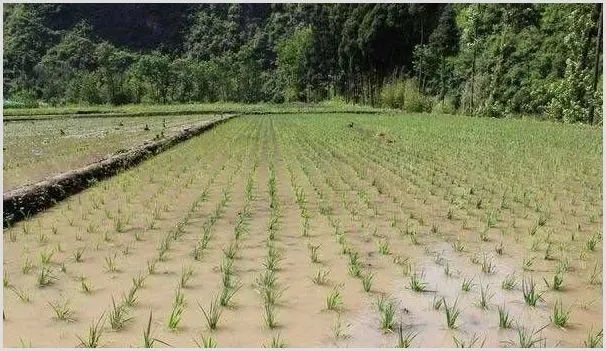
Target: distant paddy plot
36, 149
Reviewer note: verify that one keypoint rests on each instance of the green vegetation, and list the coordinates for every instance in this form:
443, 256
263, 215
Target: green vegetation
487, 59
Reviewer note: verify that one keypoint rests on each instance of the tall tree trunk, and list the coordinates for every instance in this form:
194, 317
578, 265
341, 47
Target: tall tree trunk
596, 66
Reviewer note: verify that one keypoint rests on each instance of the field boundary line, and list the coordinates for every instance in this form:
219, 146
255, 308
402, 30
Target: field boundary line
47, 117
26, 200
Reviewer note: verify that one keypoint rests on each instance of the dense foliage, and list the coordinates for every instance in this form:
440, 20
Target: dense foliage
486, 59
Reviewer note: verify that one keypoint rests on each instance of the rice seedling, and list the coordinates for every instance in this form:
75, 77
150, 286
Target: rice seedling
383, 247
596, 275
487, 266
130, 299
416, 283
505, 321
46, 257
499, 248
334, 300
86, 288
269, 316
151, 266
437, 302
355, 270
21, 294
531, 295
592, 242
27, 266
467, 284
451, 312
528, 338
46, 277
186, 274
387, 312
458, 246
321, 277
179, 298
276, 342
78, 254
367, 281
594, 340
207, 343
313, 253
272, 262
212, 314
110, 263
527, 263
228, 293
12, 236
485, 297
175, 316
448, 270
231, 250
266, 279
148, 339
139, 280
118, 316
42, 238
560, 317
509, 282
471, 343
557, 282
95, 331
405, 340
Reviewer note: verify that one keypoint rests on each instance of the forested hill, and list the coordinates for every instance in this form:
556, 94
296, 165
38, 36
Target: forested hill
484, 59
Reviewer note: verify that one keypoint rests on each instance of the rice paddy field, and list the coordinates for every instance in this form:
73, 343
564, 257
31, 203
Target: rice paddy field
320, 230
37, 149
